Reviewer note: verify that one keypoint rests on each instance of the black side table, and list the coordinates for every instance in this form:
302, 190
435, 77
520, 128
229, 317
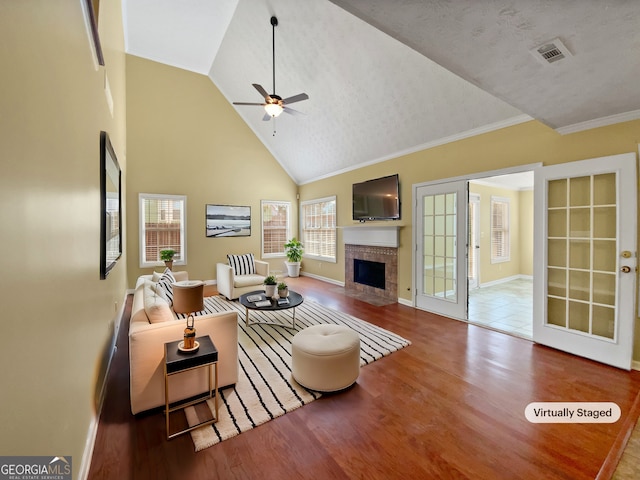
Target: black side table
176, 362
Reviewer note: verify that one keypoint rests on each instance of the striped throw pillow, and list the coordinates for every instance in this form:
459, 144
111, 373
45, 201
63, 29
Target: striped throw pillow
165, 285
242, 264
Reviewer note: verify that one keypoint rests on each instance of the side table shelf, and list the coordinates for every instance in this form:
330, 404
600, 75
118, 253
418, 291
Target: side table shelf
176, 362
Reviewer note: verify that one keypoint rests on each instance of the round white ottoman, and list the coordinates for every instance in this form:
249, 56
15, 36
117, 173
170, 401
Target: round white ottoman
325, 358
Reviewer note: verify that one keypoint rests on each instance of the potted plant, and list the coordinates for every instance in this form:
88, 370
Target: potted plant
270, 285
293, 249
283, 290
167, 257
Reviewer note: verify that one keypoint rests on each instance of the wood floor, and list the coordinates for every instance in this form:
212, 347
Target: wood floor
451, 405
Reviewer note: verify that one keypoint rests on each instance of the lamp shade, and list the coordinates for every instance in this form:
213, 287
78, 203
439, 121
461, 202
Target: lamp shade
188, 296
273, 109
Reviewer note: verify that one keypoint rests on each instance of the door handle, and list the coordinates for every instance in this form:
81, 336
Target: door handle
625, 269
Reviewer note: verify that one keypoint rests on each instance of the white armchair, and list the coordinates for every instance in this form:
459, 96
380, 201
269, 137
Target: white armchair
232, 285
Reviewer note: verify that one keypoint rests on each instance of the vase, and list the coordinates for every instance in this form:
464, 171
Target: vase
284, 293
293, 268
270, 290
169, 264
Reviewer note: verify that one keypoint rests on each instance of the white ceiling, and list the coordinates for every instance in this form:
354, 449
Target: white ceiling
375, 88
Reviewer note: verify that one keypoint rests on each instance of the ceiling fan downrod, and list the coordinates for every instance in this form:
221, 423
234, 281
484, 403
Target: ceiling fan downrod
274, 24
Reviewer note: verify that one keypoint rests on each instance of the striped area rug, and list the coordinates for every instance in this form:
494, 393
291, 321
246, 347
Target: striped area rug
265, 388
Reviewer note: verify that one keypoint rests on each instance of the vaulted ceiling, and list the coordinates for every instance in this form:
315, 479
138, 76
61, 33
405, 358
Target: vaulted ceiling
387, 77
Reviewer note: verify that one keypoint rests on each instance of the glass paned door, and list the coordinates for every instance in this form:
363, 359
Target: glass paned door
586, 232
441, 269
473, 240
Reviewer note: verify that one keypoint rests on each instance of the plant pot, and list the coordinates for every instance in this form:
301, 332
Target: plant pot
284, 293
270, 290
293, 268
169, 264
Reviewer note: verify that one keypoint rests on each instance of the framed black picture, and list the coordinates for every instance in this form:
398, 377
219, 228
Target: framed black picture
228, 221
110, 207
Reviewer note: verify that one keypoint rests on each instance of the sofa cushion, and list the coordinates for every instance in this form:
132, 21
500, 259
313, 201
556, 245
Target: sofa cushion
165, 286
242, 264
155, 306
248, 281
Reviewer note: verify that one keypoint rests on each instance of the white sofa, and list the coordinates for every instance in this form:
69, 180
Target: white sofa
153, 323
232, 286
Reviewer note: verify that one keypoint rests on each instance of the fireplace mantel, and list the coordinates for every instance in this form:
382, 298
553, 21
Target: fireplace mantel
372, 235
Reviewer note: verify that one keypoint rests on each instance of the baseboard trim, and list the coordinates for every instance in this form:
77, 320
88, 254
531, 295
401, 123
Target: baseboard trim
506, 279
635, 365
404, 301
323, 279
92, 431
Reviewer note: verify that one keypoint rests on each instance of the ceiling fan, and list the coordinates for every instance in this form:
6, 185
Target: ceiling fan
273, 104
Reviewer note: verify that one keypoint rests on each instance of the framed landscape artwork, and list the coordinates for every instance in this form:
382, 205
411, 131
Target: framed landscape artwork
110, 207
228, 221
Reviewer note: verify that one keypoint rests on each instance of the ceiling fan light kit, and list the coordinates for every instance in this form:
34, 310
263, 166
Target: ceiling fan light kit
273, 109
273, 104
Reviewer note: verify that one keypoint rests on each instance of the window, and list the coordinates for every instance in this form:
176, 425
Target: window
500, 238
275, 227
162, 226
318, 220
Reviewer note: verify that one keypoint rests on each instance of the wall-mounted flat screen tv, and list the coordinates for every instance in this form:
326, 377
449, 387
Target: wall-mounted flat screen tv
377, 199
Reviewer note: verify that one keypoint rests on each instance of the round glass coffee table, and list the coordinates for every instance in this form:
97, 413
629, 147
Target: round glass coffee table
257, 300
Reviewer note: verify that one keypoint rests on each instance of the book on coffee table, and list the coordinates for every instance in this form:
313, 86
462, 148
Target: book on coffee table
254, 298
263, 303
283, 301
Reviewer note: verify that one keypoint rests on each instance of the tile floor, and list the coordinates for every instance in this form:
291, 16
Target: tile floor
507, 307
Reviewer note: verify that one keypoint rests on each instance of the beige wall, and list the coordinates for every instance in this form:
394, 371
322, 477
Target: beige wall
57, 315
521, 224
184, 138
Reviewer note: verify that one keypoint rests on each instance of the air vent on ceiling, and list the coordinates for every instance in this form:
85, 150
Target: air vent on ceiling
551, 52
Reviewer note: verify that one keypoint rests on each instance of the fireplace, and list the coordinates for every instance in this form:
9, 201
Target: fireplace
376, 273
369, 273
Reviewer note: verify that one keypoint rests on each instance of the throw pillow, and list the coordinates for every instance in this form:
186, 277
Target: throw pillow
165, 285
242, 264
180, 276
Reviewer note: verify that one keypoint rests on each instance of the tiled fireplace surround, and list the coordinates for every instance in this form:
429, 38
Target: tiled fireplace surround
374, 245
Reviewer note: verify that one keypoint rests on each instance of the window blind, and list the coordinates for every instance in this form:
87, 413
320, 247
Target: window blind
319, 228
162, 226
500, 241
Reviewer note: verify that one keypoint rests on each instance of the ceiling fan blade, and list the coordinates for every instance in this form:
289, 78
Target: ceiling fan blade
291, 111
266, 117
246, 103
296, 98
262, 91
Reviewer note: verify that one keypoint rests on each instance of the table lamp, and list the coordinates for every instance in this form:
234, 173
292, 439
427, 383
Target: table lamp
188, 297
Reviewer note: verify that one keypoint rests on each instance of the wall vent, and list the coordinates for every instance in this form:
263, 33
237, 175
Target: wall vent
551, 52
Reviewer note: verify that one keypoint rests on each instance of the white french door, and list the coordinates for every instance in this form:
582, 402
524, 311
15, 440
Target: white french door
585, 225
473, 241
441, 264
